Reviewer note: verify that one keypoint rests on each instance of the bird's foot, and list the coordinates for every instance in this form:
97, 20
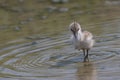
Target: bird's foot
86, 59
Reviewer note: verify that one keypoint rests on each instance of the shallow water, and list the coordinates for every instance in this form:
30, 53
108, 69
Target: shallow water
54, 58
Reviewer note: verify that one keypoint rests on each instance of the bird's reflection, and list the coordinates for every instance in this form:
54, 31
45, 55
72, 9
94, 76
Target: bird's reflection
86, 71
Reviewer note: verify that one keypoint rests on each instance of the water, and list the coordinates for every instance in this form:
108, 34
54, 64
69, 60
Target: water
54, 58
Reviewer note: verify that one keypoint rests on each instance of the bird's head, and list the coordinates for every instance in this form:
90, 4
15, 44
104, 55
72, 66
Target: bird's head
74, 28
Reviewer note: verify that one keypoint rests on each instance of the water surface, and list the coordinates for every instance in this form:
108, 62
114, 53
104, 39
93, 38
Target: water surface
54, 58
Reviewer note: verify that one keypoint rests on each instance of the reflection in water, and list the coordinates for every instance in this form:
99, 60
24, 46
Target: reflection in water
86, 72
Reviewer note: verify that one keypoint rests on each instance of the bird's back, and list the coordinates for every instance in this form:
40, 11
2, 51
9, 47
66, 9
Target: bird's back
87, 41
87, 35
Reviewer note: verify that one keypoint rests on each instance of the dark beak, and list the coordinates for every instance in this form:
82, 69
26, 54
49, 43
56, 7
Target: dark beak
74, 33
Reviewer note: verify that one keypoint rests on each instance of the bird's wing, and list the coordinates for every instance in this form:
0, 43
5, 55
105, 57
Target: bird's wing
87, 35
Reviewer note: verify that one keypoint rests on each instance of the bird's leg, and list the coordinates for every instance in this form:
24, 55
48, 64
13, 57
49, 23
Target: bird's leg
84, 52
86, 56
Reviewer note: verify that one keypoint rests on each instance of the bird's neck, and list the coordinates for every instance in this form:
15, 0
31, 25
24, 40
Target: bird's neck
79, 35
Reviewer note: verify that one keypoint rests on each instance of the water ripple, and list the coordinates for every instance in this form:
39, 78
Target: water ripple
56, 55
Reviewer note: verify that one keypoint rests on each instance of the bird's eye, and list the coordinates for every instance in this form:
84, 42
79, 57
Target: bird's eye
71, 30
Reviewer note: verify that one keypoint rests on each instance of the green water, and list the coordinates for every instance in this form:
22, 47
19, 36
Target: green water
32, 48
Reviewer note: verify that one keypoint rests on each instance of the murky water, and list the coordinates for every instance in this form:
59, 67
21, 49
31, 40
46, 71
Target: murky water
54, 58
